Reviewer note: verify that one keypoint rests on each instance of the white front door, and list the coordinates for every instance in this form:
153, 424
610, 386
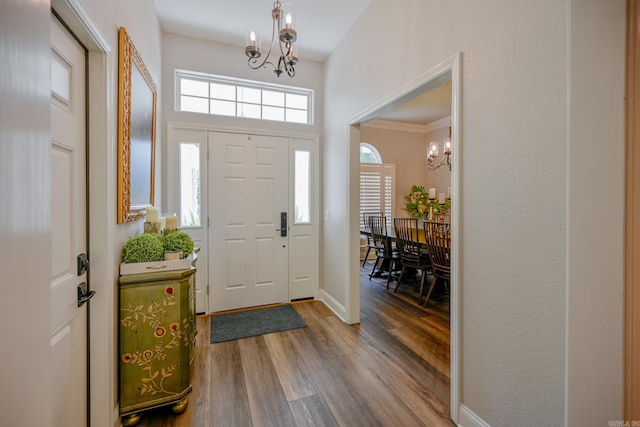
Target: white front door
248, 193
69, 227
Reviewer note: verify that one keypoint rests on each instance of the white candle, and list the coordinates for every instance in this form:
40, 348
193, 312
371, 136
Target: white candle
252, 36
441, 197
432, 193
287, 21
152, 214
163, 223
172, 222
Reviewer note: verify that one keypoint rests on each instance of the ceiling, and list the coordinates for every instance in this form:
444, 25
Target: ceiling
320, 26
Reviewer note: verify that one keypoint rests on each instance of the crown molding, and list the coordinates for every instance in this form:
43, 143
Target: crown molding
445, 122
393, 125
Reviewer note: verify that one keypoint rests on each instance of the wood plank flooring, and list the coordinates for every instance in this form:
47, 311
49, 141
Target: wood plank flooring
390, 370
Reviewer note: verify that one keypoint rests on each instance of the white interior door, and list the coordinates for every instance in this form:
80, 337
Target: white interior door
69, 227
248, 191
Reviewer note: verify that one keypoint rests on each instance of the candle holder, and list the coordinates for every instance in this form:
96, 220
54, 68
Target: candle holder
152, 227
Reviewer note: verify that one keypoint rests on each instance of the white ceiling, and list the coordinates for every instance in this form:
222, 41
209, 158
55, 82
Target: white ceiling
320, 25
423, 109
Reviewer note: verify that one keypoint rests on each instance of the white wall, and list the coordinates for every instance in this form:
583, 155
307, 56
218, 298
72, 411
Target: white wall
514, 186
25, 217
595, 226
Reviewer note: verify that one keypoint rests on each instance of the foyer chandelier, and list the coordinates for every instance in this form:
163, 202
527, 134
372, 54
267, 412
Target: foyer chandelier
433, 160
284, 36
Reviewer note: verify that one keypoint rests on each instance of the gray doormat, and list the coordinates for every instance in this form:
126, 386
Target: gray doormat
233, 326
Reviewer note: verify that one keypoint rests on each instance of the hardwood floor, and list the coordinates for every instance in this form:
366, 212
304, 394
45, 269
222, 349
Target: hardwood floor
390, 370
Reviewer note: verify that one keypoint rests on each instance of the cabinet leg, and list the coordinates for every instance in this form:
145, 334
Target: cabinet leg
180, 406
131, 419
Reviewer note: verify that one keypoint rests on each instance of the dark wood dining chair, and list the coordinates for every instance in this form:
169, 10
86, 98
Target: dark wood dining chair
365, 223
413, 254
438, 238
386, 253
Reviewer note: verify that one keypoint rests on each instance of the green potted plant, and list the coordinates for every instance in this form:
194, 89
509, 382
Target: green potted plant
145, 247
178, 241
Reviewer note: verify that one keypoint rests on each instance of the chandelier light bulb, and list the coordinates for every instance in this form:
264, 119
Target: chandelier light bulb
433, 162
282, 40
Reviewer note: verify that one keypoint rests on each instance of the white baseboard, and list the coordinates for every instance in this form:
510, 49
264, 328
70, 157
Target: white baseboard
466, 418
333, 305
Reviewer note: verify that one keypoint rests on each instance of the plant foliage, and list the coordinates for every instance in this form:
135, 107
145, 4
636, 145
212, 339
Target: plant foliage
145, 247
417, 202
178, 241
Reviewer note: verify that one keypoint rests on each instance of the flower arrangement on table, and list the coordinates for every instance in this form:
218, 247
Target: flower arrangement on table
417, 202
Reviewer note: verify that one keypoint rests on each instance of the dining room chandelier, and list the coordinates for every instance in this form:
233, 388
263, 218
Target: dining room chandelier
285, 36
433, 160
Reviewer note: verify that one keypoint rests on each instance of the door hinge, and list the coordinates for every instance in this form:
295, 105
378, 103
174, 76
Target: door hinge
207, 289
207, 222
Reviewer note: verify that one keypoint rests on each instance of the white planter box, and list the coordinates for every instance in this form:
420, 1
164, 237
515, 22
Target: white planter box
153, 267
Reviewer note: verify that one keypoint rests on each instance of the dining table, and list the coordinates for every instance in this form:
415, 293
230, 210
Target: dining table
391, 233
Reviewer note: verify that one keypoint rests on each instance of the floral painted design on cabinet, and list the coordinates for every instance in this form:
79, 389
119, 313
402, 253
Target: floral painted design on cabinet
157, 329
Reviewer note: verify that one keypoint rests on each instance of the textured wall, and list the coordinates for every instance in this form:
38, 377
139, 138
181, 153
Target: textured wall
595, 252
514, 184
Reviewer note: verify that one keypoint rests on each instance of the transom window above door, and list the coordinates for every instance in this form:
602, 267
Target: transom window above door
227, 96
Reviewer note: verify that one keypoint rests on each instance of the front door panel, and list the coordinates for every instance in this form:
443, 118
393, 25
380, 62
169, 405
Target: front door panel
248, 191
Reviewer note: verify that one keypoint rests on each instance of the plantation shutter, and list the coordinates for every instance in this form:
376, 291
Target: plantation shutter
377, 188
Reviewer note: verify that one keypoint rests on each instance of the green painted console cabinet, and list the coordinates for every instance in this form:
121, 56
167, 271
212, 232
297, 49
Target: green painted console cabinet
157, 341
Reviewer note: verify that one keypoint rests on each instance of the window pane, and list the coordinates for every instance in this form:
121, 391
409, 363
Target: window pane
203, 93
196, 105
273, 113
189, 184
247, 94
249, 110
302, 189
273, 98
369, 154
224, 108
297, 101
194, 87
296, 116
220, 91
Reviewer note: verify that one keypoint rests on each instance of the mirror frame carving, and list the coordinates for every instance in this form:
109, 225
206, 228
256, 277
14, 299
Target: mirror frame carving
129, 57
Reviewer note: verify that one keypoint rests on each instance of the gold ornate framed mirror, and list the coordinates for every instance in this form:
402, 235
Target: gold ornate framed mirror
137, 97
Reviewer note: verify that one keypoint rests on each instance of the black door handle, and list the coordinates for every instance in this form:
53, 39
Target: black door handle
283, 224
84, 294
